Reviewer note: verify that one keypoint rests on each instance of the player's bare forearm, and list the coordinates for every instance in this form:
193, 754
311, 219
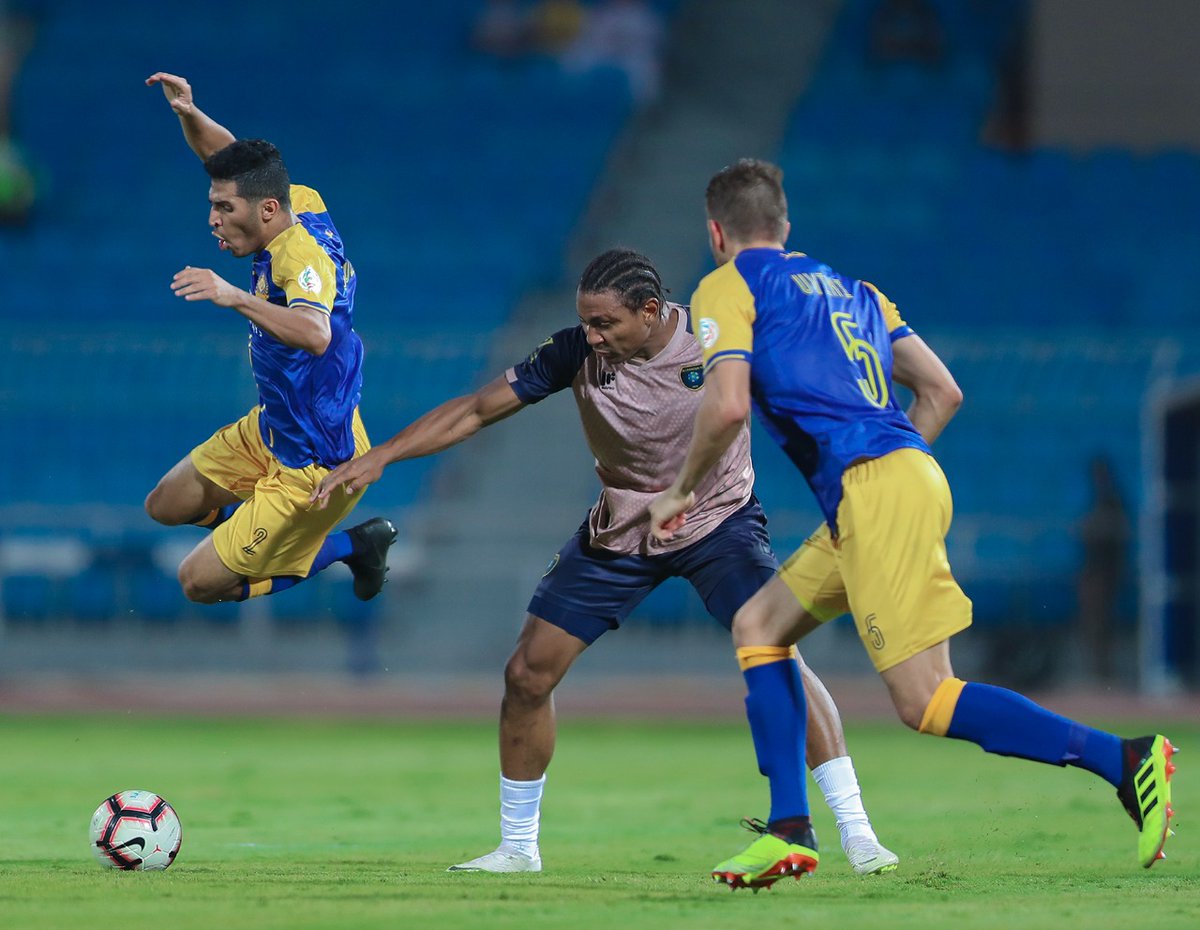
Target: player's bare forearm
936, 395
721, 416
930, 415
203, 134
299, 327
454, 421
442, 427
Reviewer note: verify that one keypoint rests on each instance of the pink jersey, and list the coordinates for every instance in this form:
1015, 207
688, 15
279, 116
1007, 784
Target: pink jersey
638, 416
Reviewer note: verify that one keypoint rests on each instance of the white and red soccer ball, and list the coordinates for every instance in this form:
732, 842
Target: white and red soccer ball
136, 830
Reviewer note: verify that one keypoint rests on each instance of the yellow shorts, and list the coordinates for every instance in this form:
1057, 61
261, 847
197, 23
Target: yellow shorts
276, 532
888, 566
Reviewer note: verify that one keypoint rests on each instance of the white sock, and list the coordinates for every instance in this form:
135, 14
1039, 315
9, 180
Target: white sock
839, 784
520, 812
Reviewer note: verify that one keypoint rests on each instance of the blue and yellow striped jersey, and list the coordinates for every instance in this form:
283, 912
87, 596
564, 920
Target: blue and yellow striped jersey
820, 353
307, 400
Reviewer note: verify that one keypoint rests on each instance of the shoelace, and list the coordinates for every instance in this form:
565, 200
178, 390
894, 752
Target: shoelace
755, 825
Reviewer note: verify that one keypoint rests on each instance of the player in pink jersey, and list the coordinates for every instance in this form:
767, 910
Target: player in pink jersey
635, 369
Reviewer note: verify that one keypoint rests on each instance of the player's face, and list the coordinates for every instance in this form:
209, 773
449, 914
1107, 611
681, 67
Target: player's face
235, 221
615, 332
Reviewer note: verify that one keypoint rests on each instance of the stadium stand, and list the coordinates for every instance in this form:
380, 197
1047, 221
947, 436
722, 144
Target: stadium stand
433, 160
1033, 274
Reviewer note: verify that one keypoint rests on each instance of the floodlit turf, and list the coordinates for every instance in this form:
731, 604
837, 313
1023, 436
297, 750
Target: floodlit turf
351, 825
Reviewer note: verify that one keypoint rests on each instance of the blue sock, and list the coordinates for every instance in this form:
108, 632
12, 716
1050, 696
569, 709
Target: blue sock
1008, 724
777, 713
335, 548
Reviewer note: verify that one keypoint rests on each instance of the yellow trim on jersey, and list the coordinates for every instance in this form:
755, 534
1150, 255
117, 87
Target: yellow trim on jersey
306, 200
724, 313
940, 711
302, 269
754, 656
891, 315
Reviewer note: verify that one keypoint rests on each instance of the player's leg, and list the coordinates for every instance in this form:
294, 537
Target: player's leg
583, 594
541, 658
776, 708
205, 579
733, 566
275, 539
906, 606
930, 699
183, 495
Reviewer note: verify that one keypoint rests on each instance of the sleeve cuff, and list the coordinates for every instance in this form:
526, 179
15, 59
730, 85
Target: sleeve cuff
300, 301
744, 354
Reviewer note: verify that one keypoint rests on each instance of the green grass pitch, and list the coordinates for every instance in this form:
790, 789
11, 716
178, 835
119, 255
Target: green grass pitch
303, 824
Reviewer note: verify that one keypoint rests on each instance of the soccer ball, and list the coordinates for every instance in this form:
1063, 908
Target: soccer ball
136, 830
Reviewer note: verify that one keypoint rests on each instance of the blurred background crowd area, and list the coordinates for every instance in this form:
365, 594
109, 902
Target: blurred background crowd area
1021, 176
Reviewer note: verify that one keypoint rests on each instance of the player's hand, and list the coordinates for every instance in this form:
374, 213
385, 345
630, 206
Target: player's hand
203, 284
668, 512
176, 89
350, 476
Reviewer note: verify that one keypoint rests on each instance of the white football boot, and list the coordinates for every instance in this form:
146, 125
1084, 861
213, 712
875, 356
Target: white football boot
502, 859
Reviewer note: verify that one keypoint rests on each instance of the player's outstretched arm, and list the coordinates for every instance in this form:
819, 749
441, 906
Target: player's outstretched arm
442, 427
936, 395
203, 134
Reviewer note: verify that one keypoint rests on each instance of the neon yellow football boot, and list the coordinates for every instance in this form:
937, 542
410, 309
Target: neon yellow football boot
768, 859
1146, 793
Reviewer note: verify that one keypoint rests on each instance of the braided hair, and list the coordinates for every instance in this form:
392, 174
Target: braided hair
628, 274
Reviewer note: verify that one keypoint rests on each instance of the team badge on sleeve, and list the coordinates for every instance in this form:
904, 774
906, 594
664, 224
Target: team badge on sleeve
709, 331
309, 280
692, 376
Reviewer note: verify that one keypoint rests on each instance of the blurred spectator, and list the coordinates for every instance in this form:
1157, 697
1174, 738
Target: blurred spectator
16, 180
502, 30
555, 24
905, 31
1009, 127
626, 34
1105, 534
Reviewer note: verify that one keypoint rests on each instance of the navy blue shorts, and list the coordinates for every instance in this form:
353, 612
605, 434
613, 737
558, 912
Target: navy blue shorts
588, 591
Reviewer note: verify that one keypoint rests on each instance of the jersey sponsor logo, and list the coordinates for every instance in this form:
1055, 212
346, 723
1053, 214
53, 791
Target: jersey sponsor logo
608, 379
692, 376
309, 280
551, 566
709, 332
260, 536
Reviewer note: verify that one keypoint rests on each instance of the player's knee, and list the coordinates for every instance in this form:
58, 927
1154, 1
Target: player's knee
155, 507
524, 683
158, 507
749, 625
194, 588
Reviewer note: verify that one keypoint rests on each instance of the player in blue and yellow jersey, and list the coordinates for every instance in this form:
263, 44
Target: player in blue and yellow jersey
814, 352
250, 482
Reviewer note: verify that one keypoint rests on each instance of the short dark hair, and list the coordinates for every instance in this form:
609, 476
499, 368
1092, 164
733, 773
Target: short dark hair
257, 168
628, 274
747, 199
